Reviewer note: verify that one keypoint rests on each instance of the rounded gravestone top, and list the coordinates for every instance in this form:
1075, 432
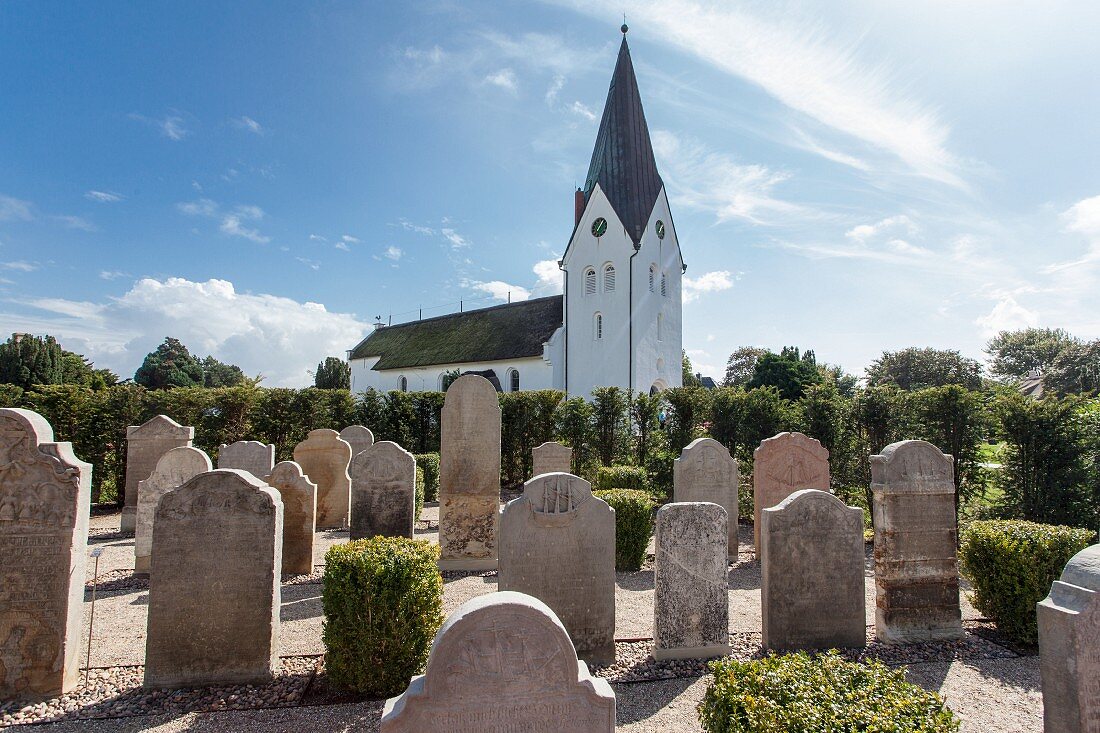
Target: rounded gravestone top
1083, 569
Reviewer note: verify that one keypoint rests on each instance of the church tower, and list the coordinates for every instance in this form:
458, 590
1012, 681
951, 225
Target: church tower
623, 267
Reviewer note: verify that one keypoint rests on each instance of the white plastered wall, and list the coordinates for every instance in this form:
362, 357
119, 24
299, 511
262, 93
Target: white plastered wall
534, 373
658, 360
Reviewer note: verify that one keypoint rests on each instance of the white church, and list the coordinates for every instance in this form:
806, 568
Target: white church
619, 321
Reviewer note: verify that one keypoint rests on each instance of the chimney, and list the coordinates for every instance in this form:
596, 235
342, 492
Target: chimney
578, 206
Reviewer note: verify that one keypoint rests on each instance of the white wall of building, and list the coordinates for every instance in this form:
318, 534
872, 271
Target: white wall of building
534, 373
658, 351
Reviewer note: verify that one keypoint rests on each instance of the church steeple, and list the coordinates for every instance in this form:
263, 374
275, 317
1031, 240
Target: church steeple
622, 161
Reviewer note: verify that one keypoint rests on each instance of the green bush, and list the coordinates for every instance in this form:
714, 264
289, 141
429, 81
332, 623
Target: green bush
419, 493
799, 693
621, 477
1011, 565
633, 525
383, 601
429, 464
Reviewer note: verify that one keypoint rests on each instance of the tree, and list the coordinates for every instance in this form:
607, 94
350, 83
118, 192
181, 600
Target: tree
916, 368
610, 424
689, 378
644, 411
169, 365
217, 374
953, 419
573, 426
80, 371
742, 365
333, 373
1015, 354
788, 372
1076, 370
27, 360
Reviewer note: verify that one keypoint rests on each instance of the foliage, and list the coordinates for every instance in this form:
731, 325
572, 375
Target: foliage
217, 374
169, 365
527, 422
688, 409
633, 525
953, 419
332, 373
688, 378
573, 426
1011, 565
740, 419
789, 372
1076, 370
419, 493
741, 365
799, 693
383, 603
916, 368
644, 421
428, 463
77, 370
1016, 354
621, 477
610, 426
27, 360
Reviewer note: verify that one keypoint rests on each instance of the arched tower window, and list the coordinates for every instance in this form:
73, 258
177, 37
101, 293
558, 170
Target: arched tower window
660, 326
652, 276
513, 380
609, 278
403, 384
590, 281
597, 326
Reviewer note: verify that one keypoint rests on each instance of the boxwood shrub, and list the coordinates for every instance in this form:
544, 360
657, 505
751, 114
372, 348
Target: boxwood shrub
633, 525
621, 477
383, 601
1011, 565
419, 493
429, 463
799, 693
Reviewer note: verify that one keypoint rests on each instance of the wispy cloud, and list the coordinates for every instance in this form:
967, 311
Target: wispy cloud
111, 274
393, 253
171, 125
457, 240
12, 209
231, 222
20, 265
247, 123
419, 229
103, 197
311, 264
581, 109
556, 84
76, 222
505, 79
708, 282
349, 239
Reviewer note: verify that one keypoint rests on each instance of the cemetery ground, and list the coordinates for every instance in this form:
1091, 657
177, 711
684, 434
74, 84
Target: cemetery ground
991, 684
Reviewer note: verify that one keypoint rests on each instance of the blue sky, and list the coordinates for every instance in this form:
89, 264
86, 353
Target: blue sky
262, 179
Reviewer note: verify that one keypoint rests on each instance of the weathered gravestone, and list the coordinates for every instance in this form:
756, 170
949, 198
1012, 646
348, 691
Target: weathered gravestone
145, 444
551, 457
248, 455
214, 586
45, 492
782, 465
916, 566
383, 492
557, 543
358, 437
299, 496
690, 582
325, 457
1069, 647
503, 663
705, 472
174, 469
812, 591
469, 475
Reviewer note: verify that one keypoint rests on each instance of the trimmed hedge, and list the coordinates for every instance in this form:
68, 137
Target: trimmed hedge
799, 693
1011, 564
633, 525
429, 464
419, 493
383, 603
621, 477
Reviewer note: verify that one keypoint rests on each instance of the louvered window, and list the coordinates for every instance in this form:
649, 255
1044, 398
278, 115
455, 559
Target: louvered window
609, 279
652, 276
597, 327
590, 282
664, 284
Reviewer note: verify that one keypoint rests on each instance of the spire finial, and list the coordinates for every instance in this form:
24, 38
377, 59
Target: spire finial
624, 28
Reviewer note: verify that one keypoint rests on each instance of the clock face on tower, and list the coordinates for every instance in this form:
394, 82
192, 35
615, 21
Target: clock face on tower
599, 227
660, 229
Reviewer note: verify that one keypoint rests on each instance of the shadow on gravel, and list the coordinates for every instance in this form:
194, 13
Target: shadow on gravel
636, 580
642, 700
744, 575
300, 602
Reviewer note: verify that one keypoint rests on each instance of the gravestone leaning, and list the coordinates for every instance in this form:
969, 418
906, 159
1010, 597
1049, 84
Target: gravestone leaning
174, 469
325, 457
145, 444
916, 566
248, 455
502, 662
551, 457
469, 475
214, 586
45, 494
557, 543
383, 492
1069, 647
299, 496
705, 472
782, 465
812, 587
359, 437
690, 582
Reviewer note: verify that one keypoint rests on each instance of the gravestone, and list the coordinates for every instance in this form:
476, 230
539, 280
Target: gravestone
501, 663
45, 494
557, 543
358, 437
916, 566
782, 465
551, 457
299, 496
690, 582
145, 444
812, 592
325, 457
469, 475
248, 455
383, 492
1069, 647
214, 586
174, 469
705, 472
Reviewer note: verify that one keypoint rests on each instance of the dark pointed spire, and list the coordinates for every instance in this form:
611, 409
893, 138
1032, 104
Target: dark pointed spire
622, 161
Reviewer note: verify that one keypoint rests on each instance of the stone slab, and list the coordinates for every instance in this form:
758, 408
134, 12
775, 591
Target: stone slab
145, 444
174, 469
248, 455
383, 492
705, 472
325, 457
551, 457
299, 497
782, 465
359, 437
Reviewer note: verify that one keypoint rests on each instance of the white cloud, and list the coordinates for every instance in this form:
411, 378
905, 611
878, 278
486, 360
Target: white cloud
247, 123
433, 55
457, 240
581, 109
349, 239
499, 290
317, 238
552, 91
708, 282
201, 207
505, 79
231, 222
311, 264
342, 247
393, 253
865, 232
550, 278
111, 274
13, 208
410, 227
1084, 217
279, 337
171, 125
76, 222
20, 265
1007, 315
103, 197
